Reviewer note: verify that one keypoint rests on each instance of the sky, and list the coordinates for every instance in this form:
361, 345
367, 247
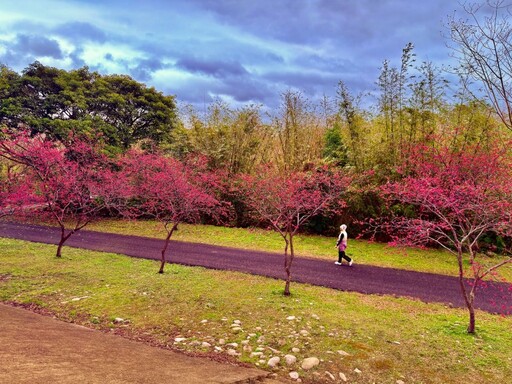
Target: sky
239, 51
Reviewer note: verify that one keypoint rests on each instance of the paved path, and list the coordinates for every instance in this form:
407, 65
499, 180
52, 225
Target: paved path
495, 298
35, 349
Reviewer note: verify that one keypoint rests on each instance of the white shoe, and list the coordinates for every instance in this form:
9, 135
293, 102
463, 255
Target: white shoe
350, 264
337, 263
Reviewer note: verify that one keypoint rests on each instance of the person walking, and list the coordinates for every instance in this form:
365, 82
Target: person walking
341, 244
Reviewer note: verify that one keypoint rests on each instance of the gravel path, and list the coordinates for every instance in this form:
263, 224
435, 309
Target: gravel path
495, 298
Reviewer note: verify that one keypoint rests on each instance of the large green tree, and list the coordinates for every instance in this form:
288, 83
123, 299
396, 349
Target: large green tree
54, 101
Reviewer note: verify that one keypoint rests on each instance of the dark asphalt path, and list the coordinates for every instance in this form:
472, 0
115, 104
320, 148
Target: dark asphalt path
495, 298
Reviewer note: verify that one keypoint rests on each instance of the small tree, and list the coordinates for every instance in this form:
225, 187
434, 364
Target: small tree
170, 191
73, 183
453, 199
287, 202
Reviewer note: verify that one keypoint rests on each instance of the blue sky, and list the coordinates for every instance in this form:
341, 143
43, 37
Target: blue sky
241, 51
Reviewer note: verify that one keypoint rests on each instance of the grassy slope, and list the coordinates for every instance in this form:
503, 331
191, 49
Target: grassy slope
387, 338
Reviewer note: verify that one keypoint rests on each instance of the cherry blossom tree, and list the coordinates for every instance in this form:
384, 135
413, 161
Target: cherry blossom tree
452, 200
73, 183
288, 201
171, 191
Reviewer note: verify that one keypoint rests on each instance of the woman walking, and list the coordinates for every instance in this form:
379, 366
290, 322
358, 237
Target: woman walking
341, 244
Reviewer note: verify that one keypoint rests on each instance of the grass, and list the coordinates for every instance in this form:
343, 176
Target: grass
387, 338
364, 252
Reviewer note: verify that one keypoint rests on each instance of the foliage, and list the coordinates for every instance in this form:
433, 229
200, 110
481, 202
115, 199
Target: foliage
458, 198
56, 102
72, 184
287, 202
170, 191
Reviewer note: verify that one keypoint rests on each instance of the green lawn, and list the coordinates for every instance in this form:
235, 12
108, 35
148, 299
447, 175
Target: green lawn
387, 338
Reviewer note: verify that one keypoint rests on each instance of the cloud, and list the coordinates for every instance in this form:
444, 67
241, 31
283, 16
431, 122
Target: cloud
144, 69
211, 67
24, 49
80, 31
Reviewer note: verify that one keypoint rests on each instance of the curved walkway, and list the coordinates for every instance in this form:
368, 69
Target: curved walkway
494, 298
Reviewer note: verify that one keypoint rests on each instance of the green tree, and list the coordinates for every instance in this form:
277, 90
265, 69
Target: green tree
54, 101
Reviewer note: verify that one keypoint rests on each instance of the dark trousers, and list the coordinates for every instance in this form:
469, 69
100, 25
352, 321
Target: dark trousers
342, 255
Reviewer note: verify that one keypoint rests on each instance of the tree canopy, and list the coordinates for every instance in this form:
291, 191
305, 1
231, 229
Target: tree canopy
55, 102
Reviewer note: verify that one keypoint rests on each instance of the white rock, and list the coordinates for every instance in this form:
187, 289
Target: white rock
315, 317
224, 319
290, 318
304, 332
205, 344
232, 352
204, 321
273, 361
343, 377
237, 322
290, 359
236, 329
234, 345
330, 375
343, 353
244, 342
254, 354
222, 341
357, 370
247, 348
118, 320
309, 363
180, 339
294, 375
400, 382
218, 349
295, 350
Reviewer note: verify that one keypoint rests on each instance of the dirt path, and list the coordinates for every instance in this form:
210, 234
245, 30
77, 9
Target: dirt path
495, 298
36, 349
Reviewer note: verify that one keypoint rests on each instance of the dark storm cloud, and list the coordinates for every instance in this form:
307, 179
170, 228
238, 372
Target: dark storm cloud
36, 46
25, 49
80, 31
211, 67
144, 69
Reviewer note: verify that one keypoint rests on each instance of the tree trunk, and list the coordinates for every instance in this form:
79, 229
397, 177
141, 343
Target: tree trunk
287, 269
468, 297
63, 238
167, 239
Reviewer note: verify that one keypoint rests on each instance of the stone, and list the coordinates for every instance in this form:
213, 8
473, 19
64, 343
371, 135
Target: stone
254, 354
237, 322
204, 321
400, 382
309, 363
222, 341
304, 332
295, 350
273, 361
343, 377
205, 344
290, 318
343, 353
330, 375
232, 352
294, 375
290, 359
180, 339
357, 370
